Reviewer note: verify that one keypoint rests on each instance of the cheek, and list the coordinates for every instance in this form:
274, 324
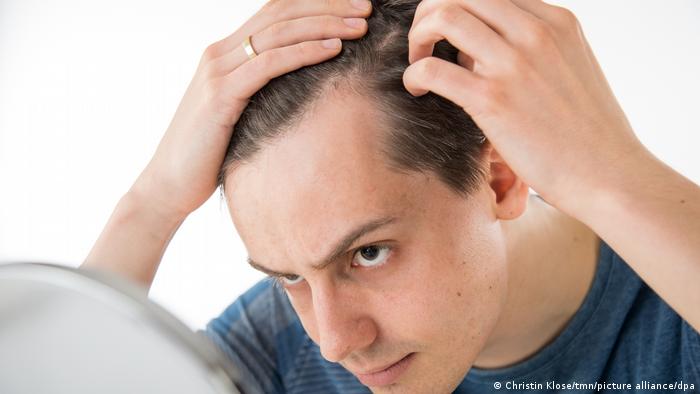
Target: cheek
451, 297
481, 271
479, 284
458, 292
479, 293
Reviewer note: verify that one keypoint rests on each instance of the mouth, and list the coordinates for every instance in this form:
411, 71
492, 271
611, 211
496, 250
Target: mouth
385, 375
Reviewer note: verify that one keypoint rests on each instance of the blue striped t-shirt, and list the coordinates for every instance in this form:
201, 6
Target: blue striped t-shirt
623, 333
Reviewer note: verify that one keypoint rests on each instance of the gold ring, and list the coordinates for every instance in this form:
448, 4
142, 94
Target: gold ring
249, 48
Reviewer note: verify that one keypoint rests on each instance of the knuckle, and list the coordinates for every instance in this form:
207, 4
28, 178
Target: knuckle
272, 59
275, 10
271, 5
306, 49
422, 8
515, 65
266, 59
280, 29
481, 86
429, 69
425, 4
446, 15
210, 52
413, 34
538, 35
493, 94
432, 4
565, 17
327, 24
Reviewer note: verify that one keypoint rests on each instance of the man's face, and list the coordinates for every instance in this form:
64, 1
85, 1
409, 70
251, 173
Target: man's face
426, 275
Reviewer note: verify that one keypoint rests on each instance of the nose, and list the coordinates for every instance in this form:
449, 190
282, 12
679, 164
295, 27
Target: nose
342, 325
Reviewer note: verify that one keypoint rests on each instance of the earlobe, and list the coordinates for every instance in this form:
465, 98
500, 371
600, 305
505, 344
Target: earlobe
510, 193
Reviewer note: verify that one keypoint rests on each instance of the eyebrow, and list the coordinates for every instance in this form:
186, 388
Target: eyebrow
340, 247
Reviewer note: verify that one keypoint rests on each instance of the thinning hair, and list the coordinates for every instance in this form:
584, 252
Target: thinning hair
427, 133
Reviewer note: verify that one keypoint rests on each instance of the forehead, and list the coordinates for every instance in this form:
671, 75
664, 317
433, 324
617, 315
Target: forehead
327, 174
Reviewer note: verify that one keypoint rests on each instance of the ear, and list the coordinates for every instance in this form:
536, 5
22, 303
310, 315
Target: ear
509, 193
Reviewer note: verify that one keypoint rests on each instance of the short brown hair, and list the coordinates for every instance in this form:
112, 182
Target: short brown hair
427, 133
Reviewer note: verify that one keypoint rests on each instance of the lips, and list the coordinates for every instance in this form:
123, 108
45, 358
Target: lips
375, 370
387, 374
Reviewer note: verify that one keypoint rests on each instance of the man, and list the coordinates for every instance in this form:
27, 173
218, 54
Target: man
395, 280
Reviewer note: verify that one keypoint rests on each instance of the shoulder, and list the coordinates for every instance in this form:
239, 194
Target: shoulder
260, 333
262, 314
264, 304
649, 329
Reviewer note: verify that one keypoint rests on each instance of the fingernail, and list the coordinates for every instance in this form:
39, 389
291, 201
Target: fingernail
361, 4
332, 43
354, 22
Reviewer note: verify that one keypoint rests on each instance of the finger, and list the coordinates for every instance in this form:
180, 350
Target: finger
250, 77
280, 10
572, 43
465, 61
553, 15
461, 29
561, 24
292, 32
446, 79
561, 19
502, 16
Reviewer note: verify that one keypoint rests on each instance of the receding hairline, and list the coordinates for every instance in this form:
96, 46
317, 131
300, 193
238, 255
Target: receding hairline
338, 86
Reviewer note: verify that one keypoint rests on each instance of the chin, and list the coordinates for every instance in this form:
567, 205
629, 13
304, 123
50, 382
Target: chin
420, 380
415, 386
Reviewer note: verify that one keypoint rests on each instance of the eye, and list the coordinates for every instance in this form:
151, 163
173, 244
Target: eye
290, 280
372, 255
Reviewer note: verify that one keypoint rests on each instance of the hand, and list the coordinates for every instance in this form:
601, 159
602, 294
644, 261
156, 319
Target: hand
287, 35
530, 81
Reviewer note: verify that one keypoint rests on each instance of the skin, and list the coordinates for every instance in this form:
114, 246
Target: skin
512, 51
444, 286
182, 174
573, 145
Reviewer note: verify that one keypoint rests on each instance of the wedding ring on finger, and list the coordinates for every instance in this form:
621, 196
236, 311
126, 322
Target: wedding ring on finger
248, 47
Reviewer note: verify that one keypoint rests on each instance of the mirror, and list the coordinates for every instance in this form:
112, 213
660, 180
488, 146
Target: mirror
67, 330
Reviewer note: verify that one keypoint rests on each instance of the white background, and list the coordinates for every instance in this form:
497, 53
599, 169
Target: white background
87, 89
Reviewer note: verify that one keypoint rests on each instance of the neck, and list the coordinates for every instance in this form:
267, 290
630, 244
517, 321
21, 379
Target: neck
551, 264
